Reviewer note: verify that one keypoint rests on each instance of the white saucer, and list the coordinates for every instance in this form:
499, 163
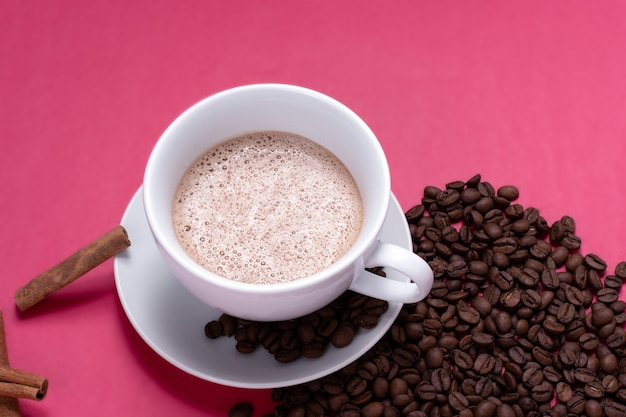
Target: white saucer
171, 321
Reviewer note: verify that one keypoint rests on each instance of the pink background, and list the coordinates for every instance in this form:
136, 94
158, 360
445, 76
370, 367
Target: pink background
531, 93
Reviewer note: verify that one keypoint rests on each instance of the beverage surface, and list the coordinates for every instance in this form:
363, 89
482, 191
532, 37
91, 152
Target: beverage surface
267, 207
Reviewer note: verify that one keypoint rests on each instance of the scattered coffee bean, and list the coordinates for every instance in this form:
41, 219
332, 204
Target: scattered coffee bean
519, 322
308, 336
242, 409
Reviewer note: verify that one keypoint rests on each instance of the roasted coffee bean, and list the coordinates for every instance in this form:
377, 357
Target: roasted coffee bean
516, 315
572, 294
541, 250
229, 324
287, 355
484, 364
492, 230
470, 196
441, 379
503, 322
457, 268
492, 294
484, 205
608, 363
483, 387
610, 384
601, 315
356, 385
434, 357
505, 410
571, 241
594, 389
350, 410
482, 305
368, 370
486, 408
461, 359
589, 341
606, 330
425, 392
373, 409
550, 279
213, 329
584, 375
576, 405
343, 335
552, 375
532, 376
620, 270
560, 255
483, 339
531, 299
374, 306
380, 388
366, 321
520, 226
563, 391
542, 356
575, 329
565, 313
447, 197
607, 295
245, 347
509, 192
552, 326
613, 281
504, 280
568, 353
486, 189
512, 298
432, 327
241, 409
557, 232
593, 408
403, 357
398, 386
617, 339
505, 245
518, 355
415, 213
514, 212
542, 392
614, 409
468, 313
569, 223
458, 401
618, 306
593, 261
467, 386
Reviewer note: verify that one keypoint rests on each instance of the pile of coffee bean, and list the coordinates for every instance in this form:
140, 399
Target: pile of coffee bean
309, 336
519, 323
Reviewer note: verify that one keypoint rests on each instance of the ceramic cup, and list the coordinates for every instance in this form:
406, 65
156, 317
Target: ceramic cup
308, 113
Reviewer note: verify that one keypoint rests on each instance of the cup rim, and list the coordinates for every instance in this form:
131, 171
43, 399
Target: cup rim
183, 260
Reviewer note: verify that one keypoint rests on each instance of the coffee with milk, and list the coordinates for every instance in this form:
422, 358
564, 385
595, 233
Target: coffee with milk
267, 207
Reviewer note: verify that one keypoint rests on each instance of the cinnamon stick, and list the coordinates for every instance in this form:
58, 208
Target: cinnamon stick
14, 390
72, 268
21, 384
9, 406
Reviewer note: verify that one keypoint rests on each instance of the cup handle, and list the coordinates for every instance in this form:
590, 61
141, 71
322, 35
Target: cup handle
403, 261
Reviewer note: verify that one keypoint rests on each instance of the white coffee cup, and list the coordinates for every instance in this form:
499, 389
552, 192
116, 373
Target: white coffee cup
308, 113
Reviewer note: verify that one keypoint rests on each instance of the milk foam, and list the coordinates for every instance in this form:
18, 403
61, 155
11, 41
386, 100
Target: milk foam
267, 207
